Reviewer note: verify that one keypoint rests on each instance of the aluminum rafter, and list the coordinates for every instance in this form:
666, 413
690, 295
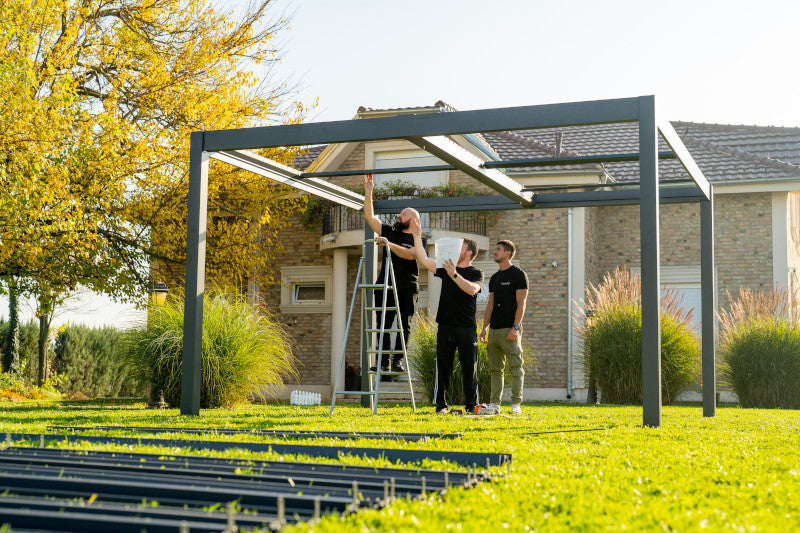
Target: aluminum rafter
674, 141
470, 164
288, 176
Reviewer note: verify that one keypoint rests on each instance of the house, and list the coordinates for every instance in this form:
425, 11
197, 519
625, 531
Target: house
755, 172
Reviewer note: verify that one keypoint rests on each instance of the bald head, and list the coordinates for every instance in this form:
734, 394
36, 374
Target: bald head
405, 217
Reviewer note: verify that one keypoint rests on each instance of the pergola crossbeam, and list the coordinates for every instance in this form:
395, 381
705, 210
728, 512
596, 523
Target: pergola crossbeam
401, 127
574, 160
288, 176
470, 164
668, 195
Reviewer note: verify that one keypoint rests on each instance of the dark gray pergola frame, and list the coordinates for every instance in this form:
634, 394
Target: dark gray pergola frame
429, 131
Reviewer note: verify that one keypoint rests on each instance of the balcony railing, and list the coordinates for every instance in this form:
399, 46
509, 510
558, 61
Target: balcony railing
339, 218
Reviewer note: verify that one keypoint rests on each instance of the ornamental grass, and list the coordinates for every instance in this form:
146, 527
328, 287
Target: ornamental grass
612, 340
245, 351
759, 344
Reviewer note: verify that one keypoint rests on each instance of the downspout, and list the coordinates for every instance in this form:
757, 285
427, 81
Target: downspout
569, 304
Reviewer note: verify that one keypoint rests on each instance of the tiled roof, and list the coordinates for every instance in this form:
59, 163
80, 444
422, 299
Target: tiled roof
306, 156
723, 152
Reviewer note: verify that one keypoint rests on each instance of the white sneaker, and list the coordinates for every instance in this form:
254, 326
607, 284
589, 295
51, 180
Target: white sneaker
495, 408
516, 409
443, 411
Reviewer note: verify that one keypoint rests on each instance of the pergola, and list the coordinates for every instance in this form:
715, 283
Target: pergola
429, 132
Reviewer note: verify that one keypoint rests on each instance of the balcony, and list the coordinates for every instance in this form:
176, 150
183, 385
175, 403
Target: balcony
339, 219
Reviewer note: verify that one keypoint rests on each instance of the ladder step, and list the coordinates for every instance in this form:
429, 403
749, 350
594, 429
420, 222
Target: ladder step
388, 373
361, 392
388, 308
387, 352
373, 286
394, 330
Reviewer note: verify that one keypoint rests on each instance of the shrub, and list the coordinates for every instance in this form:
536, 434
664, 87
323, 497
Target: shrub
244, 350
759, 344
612, 340
89, 361
422, 356
28, 347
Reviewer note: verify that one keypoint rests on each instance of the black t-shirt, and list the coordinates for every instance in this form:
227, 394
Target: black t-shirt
406, 272
504, 285
456, 307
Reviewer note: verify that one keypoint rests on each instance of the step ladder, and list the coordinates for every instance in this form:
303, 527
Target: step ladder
373, 335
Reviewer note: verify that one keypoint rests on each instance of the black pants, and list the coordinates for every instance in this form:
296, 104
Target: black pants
408, 304
448, 340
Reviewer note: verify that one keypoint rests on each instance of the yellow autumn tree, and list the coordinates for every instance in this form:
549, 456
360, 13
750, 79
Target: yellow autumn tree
97, 102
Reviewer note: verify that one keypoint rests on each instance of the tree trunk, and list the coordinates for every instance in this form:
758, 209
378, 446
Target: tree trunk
11, 352
44, 333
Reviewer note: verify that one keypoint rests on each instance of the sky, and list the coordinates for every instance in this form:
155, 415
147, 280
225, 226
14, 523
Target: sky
730, 62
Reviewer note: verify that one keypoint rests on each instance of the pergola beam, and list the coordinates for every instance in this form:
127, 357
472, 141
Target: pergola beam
288, 176
574, 160
668, 195
401, 127
470, 164
674, 141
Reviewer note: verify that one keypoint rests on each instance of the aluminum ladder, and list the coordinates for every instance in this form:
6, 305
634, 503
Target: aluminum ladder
373, 336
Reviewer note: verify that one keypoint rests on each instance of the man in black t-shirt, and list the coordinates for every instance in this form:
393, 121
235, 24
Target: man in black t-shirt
461, 283
400, 242
508, 290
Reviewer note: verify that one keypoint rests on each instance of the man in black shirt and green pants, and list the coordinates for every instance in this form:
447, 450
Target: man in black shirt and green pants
461, 283
508, 290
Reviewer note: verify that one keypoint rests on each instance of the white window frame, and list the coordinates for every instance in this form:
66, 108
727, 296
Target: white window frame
371, 151
294, 276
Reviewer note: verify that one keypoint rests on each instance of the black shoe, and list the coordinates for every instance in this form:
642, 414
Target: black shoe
397, 366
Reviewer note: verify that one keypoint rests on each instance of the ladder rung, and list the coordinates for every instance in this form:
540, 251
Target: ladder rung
384, 330
373, 286
387, 352
388, 373
388, 308
361, 392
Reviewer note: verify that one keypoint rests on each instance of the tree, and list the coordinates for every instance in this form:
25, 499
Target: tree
97, 101
11, 348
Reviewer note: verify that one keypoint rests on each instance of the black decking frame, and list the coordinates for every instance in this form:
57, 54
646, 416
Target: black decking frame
429, 132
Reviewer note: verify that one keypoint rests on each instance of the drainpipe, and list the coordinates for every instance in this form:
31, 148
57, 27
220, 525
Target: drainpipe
569, 304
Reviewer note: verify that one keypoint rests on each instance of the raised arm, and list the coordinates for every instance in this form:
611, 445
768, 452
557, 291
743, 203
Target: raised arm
419, 250
369, 211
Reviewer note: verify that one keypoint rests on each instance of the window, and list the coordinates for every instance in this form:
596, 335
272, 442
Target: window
306, 293
306, 289
403, 154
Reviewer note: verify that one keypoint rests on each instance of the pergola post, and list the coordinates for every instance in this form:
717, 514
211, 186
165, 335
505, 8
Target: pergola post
707, 304
195, 277
650, 257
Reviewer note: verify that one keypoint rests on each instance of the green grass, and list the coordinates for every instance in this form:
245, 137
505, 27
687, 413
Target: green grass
739, 470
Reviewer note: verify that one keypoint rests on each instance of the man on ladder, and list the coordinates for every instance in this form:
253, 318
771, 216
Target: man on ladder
401, 244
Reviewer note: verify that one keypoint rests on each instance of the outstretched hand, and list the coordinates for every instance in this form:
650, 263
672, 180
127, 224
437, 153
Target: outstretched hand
450, 267
415, 227
369, 183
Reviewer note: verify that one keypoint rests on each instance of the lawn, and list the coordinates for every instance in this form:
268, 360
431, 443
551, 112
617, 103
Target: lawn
739, 470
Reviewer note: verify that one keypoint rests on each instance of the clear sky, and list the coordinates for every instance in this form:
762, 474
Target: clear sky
732, 62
